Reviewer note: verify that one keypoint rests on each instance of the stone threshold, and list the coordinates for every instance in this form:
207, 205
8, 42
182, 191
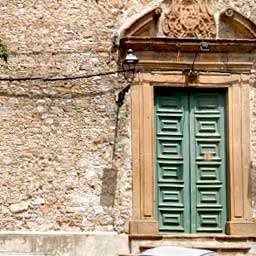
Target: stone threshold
193, 236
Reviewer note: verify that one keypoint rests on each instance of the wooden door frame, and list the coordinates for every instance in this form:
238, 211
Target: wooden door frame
238, 142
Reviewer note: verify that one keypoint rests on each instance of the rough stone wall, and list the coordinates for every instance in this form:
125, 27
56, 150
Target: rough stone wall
56, 161
64, 159
57, 170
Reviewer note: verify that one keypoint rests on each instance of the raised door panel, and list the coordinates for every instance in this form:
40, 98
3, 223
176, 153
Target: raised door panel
172, 162
208, 162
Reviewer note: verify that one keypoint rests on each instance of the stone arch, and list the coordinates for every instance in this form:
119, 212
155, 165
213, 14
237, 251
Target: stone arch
229, 24
145, 25
234, 25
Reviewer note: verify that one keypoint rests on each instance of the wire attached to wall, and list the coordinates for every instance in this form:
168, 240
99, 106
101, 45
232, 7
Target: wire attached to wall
90, 75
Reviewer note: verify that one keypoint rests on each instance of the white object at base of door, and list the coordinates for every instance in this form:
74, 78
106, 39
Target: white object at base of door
177, 251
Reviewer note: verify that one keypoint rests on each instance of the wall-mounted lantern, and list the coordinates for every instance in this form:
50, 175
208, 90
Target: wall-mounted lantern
129, 69
129, 65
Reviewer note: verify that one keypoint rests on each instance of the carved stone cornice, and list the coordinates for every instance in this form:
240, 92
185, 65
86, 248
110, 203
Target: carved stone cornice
225, 55
189, 19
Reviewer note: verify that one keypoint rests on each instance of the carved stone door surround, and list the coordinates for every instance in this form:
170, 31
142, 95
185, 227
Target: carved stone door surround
166, 50
240, 212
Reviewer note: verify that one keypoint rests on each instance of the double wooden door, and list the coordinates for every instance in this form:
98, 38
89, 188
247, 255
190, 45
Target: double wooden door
190, 160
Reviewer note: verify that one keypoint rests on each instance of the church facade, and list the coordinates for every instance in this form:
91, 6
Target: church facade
96, 162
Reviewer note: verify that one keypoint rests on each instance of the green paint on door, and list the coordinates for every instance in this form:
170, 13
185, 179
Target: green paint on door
190, 161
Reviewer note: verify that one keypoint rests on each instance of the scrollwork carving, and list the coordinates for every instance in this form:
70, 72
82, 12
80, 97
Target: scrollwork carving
229, 13
189, 19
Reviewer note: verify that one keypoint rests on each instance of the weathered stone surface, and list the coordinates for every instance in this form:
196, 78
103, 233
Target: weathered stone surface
58, 137
64, 244
19, 207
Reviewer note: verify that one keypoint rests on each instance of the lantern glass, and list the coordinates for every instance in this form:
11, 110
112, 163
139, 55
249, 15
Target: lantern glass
129, 65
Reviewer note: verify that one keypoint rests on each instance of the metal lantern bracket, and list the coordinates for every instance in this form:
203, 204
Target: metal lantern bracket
191, 74
129, 69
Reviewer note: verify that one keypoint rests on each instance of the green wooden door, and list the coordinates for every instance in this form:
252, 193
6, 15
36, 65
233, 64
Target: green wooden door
190, 161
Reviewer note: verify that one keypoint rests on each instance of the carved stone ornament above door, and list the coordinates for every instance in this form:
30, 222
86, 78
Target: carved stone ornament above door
189, 19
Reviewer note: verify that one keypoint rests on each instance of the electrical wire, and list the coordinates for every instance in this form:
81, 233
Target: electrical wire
140, 70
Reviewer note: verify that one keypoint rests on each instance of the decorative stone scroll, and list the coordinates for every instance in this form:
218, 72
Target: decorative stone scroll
189, 19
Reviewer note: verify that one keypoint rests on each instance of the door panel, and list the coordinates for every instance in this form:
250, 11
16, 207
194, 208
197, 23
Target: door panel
190, 161
171, 150
207, 150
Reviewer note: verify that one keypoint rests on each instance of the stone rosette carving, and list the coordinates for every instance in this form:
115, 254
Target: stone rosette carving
189, 19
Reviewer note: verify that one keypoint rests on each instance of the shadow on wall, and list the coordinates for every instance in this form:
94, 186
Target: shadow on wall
109, 177
109, 183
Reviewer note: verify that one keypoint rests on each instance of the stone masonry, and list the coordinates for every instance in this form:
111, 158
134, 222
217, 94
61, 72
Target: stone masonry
65, 155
